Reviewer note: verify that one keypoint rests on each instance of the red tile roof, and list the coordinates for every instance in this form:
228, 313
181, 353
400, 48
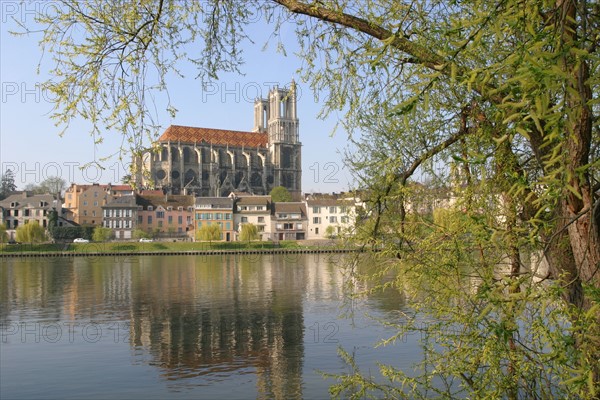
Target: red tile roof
190, 134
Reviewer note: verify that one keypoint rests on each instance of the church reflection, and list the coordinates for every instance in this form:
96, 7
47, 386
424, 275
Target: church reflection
205, 317
196, 319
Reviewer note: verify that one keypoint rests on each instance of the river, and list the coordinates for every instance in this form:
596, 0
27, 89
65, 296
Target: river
155, 327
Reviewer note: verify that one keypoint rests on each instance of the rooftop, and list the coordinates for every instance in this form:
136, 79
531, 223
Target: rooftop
190, 134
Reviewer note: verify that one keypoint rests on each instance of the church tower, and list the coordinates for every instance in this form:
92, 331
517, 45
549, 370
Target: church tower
282, 126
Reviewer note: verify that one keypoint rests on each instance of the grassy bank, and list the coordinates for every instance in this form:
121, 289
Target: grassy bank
133, 247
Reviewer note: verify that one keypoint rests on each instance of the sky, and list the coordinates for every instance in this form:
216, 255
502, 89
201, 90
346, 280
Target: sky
31, 147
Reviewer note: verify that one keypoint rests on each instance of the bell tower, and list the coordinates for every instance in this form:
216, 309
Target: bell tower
284, 141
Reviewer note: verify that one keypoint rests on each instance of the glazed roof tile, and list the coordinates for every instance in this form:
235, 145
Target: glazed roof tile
190, 134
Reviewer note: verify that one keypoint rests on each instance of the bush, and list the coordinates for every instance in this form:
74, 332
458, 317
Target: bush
68, 233
31, 232
102, 234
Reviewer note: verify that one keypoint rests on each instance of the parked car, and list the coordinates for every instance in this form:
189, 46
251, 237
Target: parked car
81, 240
146, 240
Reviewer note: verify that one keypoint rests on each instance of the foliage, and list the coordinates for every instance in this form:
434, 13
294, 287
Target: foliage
330, 232
495, 103
140, 234
53, 185
68, 233
248, 232
208, 233
279, 194
7, 184
3, 234
102, 234
30, 232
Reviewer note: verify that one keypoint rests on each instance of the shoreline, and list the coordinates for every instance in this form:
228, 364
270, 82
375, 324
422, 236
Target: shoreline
156, 249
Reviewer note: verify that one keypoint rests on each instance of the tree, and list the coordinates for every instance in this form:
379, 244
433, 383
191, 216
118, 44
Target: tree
3, 234
53, 185
279, 194
102, 234
208, 233
140, 234
495, 102
7, 184
30, 232
248, 232
330, 232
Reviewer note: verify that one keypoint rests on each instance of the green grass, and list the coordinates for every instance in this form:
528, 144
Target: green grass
115, 247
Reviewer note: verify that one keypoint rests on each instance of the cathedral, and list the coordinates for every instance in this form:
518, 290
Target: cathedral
215, 162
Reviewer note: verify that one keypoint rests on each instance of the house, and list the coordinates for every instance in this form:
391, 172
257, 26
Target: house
329, 215
215, 210
165, 215
86, 201
254, 210
120, 215
23, 207
289, 221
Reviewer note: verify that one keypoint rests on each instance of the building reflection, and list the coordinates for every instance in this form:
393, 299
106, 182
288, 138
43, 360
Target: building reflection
197, 319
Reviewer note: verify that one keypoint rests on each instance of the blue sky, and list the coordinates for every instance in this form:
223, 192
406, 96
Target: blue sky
31, 146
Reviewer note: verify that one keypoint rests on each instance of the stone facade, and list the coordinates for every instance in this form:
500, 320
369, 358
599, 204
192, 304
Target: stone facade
214, 162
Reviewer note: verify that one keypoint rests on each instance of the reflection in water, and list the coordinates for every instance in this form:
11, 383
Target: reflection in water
196, 320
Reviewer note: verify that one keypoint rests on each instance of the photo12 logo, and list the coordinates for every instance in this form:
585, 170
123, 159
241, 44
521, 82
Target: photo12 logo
71, 332
237, 92
24, 12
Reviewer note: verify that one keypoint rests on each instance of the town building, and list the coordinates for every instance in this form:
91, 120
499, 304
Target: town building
329, 215
165, 215
215, 210
85, 201
254, 210
120, 215
215, 162
23, 207
289, 221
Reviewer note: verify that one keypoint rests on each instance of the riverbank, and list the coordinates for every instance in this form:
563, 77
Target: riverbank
169, 248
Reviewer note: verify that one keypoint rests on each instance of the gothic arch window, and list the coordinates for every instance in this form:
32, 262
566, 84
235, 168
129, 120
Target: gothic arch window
174, 154
190, 176
164, 154
186, 155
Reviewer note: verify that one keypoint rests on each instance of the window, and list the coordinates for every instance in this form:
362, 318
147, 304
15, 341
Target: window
316, 231
140, 219
345, 219
333, 209
85, 213
160, 214
118, 223
288, 227
170, 219
180, 219
261, 219
95, 194
93, 213
160, 224
317, 210
261, 228
228, 226
299, 226
316, 220
260, 208
149, 219
244, 219
228, 216
169, 208
26, 212
85, 203
118, 213
188, 220
218, 216
105, 213
95, 204
343, 210
150, 208
279, 226
333, 219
